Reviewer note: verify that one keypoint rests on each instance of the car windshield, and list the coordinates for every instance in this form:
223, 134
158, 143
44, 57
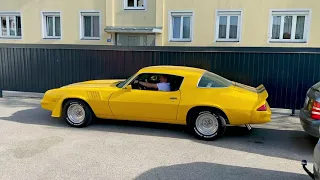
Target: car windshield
122, 83
213, 80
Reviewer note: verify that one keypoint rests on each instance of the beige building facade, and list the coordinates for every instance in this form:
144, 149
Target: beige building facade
243, 23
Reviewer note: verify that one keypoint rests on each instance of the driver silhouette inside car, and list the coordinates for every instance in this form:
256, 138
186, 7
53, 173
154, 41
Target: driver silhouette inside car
163, 85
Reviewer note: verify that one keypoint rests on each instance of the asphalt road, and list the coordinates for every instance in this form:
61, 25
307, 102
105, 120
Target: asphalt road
35, 146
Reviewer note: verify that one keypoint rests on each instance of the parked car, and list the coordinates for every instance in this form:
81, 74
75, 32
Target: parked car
202, 100
310, 113
316, 164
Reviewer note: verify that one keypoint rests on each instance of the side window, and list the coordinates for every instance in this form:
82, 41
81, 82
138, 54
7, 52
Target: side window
211, 80
175, 81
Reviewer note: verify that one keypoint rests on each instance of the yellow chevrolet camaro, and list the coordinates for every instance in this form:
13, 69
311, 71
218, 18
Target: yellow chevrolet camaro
200, 99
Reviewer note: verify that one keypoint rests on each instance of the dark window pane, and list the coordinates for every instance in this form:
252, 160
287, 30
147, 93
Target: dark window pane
176, 27
233, 32
57, 27
49, 26
96, 29
130, 3
300, 27
276, 27
223, 27
186, 27
4, 25
87, 26
18, 20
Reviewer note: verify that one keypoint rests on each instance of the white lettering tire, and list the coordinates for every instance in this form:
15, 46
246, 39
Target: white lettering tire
206, 124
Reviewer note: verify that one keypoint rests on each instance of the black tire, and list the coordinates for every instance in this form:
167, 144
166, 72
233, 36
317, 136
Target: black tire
88, 118
191, 123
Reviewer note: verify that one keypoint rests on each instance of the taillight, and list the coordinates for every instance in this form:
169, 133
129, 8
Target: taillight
315, 111
262, 108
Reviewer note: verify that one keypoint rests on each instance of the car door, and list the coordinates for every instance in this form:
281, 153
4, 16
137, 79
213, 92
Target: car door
145, 105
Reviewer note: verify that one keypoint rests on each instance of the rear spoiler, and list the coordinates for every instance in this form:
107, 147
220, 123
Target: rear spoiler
260, 88
262, 92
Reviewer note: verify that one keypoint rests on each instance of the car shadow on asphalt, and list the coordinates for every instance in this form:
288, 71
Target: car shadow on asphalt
212, 171
289, 143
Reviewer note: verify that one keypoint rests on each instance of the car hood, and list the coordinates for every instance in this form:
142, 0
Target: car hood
95, 83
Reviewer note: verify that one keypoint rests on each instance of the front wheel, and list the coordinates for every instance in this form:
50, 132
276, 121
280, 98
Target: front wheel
207, 124
77, 113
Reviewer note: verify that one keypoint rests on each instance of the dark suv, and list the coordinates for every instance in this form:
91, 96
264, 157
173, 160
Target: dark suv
310, 113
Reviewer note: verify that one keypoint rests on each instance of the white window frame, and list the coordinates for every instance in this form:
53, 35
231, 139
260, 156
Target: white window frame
7, 14
89, 13
228, 13
182, 14
44, 24
135, 7
294, 13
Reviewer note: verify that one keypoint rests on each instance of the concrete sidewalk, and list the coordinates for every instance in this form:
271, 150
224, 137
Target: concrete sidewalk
22, 94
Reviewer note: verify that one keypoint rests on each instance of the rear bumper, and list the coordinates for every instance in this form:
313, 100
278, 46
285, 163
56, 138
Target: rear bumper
260, 117
309, 125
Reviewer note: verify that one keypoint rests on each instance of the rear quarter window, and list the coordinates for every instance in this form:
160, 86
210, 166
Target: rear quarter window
211, 80
316, 86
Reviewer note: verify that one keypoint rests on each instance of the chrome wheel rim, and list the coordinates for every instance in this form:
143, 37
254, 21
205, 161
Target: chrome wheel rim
76, 113
207, 124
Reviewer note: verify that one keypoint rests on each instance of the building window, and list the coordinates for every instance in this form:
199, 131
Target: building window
133, 39
134, 4
51, 25
228, 26
181, 26
289, 26
10, 25
90, 25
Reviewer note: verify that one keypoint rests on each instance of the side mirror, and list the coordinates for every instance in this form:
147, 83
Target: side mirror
129, 87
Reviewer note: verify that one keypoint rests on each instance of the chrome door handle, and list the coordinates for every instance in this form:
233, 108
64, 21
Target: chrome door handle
173, 98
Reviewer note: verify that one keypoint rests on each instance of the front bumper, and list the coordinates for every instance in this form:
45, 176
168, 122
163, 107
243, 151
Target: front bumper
309, 125
46, 105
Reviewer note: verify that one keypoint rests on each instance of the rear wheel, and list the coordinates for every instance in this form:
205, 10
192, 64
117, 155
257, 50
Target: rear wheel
206, 124
77, 113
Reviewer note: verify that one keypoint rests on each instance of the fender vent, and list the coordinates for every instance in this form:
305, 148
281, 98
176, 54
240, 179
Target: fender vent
94, 95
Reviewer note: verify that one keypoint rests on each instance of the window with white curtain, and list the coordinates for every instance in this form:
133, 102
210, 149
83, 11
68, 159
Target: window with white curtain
289, 26
181, 26
51, 25
10, 26
228, 25
90, 25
